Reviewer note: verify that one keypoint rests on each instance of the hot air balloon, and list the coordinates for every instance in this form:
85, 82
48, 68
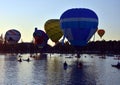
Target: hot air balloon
79, 25
40, 37
101, 32
12, 36
53, 30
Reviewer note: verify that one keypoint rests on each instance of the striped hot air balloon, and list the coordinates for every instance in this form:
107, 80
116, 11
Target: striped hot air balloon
12, 36
79, 25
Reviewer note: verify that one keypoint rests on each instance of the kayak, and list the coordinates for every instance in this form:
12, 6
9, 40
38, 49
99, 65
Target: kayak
117, 66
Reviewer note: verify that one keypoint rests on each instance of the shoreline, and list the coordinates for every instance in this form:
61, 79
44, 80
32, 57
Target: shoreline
98, 47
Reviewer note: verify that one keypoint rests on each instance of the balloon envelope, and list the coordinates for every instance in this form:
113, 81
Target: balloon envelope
79, 25
12, 36
40, 37
53, 30
101, 32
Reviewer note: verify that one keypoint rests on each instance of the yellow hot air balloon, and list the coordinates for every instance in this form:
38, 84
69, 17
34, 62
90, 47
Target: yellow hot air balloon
53, 30
101, 32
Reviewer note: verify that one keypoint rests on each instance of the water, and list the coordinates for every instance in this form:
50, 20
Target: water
50, 71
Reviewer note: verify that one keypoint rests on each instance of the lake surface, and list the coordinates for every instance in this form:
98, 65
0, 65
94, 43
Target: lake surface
49, 70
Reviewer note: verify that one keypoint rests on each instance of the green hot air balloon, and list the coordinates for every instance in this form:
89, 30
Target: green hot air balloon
53, 30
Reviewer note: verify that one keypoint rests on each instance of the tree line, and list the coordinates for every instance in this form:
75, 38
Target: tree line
109, 47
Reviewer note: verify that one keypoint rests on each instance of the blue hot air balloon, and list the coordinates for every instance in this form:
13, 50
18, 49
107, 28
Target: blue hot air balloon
40, 37
78, 25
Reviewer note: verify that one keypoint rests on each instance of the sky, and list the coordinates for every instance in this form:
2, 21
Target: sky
25, 15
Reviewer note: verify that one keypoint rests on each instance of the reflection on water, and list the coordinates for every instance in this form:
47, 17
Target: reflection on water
50, 71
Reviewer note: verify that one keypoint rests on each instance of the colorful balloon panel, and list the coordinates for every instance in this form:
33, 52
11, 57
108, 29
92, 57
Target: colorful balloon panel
12, 36
79, 25
40, 37
101, 32
53, 30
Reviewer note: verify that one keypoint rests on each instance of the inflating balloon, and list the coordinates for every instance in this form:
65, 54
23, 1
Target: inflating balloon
12, 36
53, 30
101, 32
40, 37
79, 25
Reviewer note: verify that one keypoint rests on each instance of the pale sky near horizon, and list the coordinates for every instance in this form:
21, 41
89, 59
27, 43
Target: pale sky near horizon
25, 15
